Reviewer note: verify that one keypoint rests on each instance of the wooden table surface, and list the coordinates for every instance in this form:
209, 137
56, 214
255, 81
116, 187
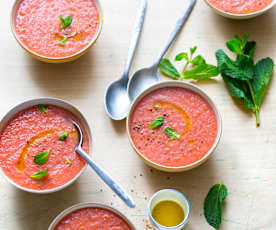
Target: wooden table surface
245, 159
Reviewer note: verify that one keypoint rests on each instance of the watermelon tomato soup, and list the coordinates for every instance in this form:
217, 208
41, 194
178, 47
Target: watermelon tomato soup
173, 126
56, 28
37, 148
240, 6
92, 218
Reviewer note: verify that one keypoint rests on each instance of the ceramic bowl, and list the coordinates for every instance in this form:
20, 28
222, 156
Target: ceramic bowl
171, 195
185, 86
240, 16
46, 101
87, 205
55, 59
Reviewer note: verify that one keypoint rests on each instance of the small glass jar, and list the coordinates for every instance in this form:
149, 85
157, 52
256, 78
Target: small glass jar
169, 195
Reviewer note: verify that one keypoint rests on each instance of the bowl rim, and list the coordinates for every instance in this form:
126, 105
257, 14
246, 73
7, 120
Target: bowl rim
73, 208
55, 59
195, 89
240, 16
50, 101
186, 219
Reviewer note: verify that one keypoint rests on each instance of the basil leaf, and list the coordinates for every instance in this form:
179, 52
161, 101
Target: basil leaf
68, 161
239, 90
39, 175
42, 108
157, 122
63, 137
200, 72
41, 158
213, 204
171, 133
181, 56
231, 68
63, 41
167, 68
65, 22
193, 50
263, 72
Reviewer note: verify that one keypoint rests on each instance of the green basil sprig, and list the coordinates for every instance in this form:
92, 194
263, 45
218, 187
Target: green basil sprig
39, 175
213, 204
41, 158
171, 133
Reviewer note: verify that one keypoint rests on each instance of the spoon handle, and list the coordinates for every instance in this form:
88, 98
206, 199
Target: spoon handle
136, 35
107, 178
177, 29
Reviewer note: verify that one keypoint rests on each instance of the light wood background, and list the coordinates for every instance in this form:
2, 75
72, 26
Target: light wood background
245, 159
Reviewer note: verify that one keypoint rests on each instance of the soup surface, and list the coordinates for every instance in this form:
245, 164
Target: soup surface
31, 132
38, 26
92, 218
184, 111
240, 6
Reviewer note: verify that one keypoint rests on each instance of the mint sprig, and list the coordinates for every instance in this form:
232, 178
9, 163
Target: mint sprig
195, 68
244, 79
213, 204
171, 133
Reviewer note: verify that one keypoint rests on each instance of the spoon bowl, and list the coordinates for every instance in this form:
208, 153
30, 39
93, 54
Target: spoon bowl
141, 80
117, 100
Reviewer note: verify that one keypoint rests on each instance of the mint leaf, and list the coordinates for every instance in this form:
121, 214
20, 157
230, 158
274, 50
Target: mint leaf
63, 41
231, 68
42, 108
246, 64
39, 175
63, 137
68, 161
239, 89
234, 46
171, 133
198, 60
249, 49
193, 50
41, 158
157, 122
65, 22
181, 56
157, 106
200, 72
213, 204
263, 72
167, 68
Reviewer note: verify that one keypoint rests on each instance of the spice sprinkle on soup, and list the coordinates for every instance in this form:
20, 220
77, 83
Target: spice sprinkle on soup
173, 126
37, 148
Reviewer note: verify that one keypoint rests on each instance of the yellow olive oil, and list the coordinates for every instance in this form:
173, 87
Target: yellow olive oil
168, 213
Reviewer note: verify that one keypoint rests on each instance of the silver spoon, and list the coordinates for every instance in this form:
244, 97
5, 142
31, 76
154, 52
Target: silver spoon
101, 173
145, 77
116, 97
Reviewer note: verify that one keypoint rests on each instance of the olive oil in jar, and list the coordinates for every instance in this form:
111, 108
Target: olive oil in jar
168, 213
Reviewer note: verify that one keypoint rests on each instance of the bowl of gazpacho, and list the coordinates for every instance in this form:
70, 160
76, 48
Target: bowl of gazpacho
88, 216
240, 9
174, 126
56, 31
37, 145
